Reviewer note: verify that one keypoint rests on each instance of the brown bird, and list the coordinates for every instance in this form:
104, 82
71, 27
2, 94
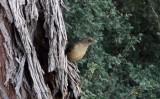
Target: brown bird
76, 51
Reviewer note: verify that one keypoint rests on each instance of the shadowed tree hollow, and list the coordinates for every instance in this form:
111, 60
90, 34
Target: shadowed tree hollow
33, 64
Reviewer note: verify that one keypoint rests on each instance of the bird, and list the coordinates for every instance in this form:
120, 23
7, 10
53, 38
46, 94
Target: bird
77, 50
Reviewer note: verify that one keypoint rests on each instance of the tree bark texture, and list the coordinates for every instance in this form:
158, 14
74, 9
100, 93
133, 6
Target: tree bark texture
33, 64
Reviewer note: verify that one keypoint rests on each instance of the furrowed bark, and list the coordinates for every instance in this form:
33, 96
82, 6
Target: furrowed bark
33, 40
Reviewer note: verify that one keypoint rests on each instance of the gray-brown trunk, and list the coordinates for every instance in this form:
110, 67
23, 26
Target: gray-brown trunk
33, 64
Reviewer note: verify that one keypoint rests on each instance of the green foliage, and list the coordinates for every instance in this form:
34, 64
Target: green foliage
124, 63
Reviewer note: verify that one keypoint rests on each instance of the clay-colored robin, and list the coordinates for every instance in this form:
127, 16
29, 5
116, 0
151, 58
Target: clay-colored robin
77, 50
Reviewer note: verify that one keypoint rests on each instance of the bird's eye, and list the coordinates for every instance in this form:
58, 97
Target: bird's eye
89, 40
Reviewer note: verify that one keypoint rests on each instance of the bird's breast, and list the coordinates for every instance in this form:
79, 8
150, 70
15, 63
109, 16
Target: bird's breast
77, 52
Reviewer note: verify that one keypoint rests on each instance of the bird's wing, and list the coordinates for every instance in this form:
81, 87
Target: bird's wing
69, 48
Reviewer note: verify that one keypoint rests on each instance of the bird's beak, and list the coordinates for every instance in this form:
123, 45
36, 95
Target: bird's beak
95, 41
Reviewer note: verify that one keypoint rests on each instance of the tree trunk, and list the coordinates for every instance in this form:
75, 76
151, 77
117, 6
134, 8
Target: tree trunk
33, 64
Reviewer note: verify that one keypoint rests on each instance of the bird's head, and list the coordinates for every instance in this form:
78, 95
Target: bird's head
87, 41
